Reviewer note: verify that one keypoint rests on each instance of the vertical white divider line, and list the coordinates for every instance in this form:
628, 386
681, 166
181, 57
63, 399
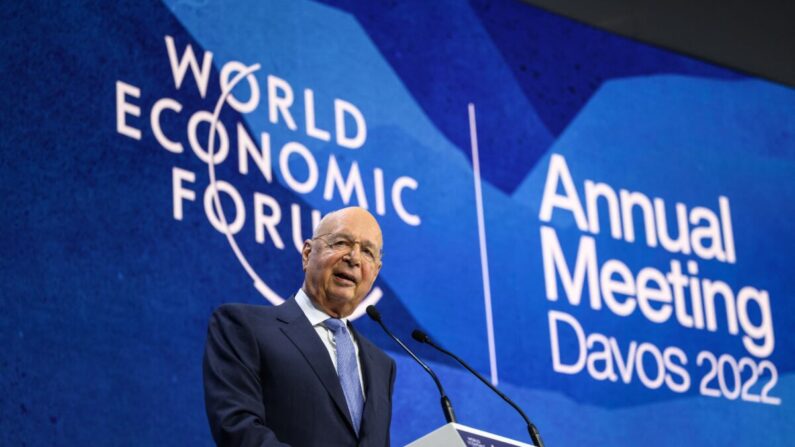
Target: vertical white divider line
484, 258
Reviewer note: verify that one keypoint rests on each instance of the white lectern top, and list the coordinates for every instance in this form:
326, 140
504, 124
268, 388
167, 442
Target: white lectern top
457, 435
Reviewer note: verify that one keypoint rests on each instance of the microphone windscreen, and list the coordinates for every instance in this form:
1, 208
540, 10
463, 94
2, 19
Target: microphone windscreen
373, 313
420, 336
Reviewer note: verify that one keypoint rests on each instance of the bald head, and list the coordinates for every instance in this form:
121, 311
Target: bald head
342, 260
353, 213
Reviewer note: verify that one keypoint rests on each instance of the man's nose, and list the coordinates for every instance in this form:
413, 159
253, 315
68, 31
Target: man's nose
354, 256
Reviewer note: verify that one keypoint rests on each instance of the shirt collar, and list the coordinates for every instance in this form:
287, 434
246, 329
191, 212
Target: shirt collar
313, 314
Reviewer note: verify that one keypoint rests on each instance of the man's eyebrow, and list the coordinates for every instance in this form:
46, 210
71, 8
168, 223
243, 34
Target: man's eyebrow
350, 236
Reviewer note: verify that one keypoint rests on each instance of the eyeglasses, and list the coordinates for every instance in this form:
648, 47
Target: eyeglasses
342, 243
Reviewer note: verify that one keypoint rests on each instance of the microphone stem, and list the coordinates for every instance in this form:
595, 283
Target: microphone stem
447, 407
535, 436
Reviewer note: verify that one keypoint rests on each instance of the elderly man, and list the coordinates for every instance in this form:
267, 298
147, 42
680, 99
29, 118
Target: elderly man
298, 374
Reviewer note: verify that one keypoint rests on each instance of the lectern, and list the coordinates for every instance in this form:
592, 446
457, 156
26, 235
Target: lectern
457, 435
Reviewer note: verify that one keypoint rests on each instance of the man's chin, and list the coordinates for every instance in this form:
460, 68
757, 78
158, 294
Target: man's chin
345, 303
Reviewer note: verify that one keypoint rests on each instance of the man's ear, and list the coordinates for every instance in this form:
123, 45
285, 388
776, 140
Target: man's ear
305, 253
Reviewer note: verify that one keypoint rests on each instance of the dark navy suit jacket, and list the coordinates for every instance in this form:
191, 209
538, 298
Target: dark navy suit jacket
269, 381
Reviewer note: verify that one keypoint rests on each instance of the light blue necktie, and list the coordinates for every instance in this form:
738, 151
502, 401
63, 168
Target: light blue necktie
347, 369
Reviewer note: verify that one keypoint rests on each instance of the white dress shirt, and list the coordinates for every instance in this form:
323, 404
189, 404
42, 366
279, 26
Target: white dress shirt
316, 318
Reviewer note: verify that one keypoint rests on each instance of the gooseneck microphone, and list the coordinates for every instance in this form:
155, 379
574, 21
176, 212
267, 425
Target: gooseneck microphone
535, 436
447, 407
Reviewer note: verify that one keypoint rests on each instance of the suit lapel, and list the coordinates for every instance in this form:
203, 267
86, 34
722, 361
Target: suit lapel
304, 337
369, 372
